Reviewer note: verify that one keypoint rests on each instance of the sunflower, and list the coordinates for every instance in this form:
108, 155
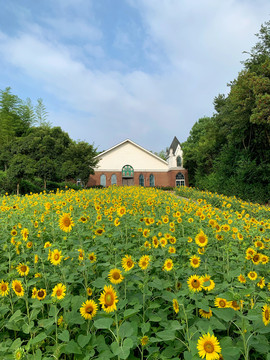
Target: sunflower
234, 305
252, 275
144, 262
206, 314
208, 347
147, 245
208, 283
25, 233
195, 261
175, 306
168, 265
121, 211
172, 250
264, 259
34, 293
13, 232
36, 258
89, 291
116, 222
261, 283
19, 353
163, 241
146, 233
88, 309
22, 269
59, 291
41, 294
17, 287
266, 314
108, 299
221, 303
47, 244
99, 231
144, 340
66, 223
81, 254
241, 278
115, 276
92, 257
250, 253
4, 289
127, 263
155, 242
60, 320
55, 257
195, 283
256, 259
201, 239
29, 244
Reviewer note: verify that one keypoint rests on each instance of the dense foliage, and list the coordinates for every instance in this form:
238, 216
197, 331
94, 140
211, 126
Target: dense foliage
230, 151
132, 273
30, 149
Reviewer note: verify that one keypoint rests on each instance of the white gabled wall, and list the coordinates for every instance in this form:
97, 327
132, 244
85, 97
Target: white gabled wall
128, 153
172, 162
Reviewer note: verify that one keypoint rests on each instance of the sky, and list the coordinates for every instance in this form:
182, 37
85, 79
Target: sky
108, 70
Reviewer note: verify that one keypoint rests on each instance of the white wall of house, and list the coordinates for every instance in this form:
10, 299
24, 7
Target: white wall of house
129, 153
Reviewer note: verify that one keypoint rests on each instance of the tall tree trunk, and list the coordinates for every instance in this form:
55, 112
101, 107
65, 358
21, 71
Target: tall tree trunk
18, 188
45, 184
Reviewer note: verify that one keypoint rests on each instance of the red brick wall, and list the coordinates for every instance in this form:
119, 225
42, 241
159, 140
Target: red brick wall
161, 178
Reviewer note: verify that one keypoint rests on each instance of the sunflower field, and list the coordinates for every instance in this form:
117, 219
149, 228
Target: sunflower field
133, 273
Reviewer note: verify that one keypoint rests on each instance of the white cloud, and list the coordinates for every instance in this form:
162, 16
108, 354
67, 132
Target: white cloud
196, 45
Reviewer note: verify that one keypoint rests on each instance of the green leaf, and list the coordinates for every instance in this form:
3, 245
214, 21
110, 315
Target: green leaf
145, 327
126, 330
99, 283
72, 348
83, 340
104, 323
45, 323
166, 335
224, 314
26, 328
64, 336
40, 337
129, 312
15, 316
154, 318
16, 344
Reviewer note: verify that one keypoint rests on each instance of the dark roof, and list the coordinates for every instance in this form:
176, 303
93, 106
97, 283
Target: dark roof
174, 144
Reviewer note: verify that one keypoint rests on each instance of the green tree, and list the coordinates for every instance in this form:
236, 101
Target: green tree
80, 161
21, 167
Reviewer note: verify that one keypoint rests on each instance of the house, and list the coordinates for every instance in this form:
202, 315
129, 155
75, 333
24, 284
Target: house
128, 163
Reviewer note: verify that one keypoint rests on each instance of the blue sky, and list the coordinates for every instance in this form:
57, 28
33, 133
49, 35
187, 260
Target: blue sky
108, 70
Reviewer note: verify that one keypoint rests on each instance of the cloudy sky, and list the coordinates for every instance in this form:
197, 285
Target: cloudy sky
108, 70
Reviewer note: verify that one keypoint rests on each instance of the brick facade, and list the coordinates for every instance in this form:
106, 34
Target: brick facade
166, 178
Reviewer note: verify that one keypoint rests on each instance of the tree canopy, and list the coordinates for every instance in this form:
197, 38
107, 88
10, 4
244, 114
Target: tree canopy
31, 148
230, 151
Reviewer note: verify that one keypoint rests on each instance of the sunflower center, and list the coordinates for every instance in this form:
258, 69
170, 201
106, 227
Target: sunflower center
169, 264
195, 283
195, 261
67, 222
266, 314
23, 268
201, 239
252, 275
89, 309
109, 299
116, 276
56, 257
129, 263
208, 347
222, 303
18, 288
41, 293
59, 292
4, 287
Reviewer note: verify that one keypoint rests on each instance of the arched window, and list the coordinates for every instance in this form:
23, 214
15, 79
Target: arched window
113, 179
152, 180
178, 161
141, 180
103, 180
180, 179
127, 171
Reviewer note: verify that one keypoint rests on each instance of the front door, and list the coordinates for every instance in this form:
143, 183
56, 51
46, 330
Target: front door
127, 181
